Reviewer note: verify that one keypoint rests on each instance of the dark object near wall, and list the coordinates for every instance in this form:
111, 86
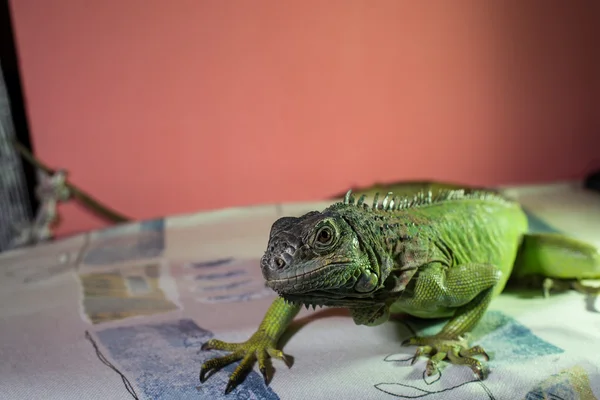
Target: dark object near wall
592, 182
15, 206
17, 179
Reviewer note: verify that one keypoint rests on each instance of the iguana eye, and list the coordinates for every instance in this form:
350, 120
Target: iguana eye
325, 235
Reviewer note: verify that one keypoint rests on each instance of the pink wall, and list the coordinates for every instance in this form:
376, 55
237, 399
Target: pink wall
159, 107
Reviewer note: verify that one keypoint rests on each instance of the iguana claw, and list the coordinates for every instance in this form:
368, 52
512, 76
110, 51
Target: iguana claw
455, 351
259, 347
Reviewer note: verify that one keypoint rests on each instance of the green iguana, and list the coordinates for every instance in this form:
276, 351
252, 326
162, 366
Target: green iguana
445, 255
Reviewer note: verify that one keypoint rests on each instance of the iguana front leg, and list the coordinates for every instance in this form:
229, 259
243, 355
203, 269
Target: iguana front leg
261, 345
468, 289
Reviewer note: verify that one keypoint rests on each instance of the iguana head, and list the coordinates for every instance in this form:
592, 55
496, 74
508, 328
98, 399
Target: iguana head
320, 259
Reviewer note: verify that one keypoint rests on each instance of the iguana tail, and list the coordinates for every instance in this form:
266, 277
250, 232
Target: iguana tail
557, 258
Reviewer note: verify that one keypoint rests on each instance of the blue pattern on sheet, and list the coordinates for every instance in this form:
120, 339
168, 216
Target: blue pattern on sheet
164, 360
127, 243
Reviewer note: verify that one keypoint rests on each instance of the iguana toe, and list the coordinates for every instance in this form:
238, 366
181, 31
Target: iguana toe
562, 285
455, 351
585, 288
258, 348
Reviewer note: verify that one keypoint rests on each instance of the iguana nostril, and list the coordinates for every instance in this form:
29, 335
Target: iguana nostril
279, 262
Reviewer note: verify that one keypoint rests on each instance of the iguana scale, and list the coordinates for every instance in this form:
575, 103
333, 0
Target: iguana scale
431, 256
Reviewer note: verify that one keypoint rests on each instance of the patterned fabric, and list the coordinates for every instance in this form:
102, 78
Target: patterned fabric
122, 313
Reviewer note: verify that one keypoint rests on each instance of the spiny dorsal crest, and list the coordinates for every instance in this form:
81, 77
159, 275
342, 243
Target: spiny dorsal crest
422, 198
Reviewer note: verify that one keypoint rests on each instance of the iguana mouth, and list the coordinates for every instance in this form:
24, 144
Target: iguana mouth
324, 299
306, 281
314, 289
